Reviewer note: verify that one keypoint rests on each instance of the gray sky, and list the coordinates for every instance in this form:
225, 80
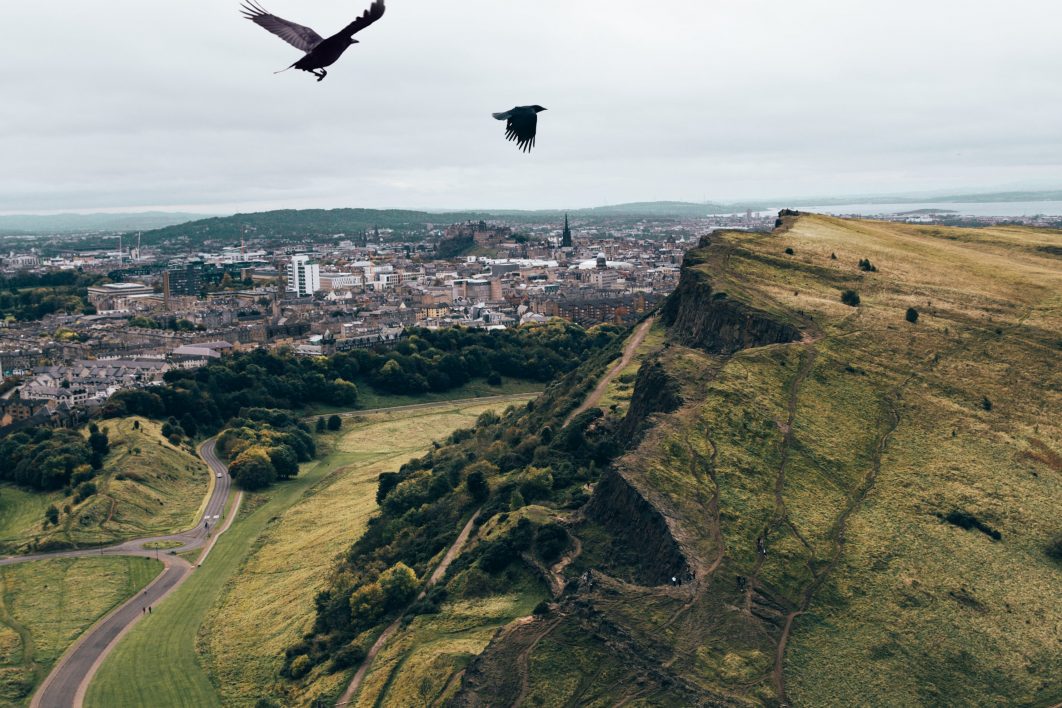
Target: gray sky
133, 104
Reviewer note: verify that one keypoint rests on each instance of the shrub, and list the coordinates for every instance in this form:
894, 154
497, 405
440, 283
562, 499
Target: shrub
497, 555
494, 379
84, 491
789, 251
335, 423
320, 426
551, 541
387, 482
986, 403
912, 315
348, 657
850, 298
300, 667
1054, 549
51, 515
866, 266
541, 609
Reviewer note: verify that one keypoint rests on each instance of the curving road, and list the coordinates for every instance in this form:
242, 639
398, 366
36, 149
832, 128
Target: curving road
65, 686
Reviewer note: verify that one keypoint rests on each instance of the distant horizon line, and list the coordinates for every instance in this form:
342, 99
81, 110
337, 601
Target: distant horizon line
1052, 194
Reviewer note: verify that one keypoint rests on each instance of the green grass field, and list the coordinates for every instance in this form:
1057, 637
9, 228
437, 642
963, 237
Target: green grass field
46, 605
147, 487
218, 639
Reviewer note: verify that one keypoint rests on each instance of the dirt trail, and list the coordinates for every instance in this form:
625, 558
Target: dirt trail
355, 683
628, 354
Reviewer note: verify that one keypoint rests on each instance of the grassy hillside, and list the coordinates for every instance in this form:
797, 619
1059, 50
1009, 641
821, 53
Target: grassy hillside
46, 605
220, 637
147, 487
278, 581
855, 502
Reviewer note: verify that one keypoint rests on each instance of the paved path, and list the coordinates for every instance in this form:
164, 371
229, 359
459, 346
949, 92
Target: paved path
628, 354
65, 685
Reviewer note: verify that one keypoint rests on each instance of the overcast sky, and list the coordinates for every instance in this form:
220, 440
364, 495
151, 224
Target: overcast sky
134, 104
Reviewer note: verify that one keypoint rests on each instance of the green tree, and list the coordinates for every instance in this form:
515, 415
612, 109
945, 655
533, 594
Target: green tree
285, 462
320, 426
253, 469
51, 515
399, 584
335, 423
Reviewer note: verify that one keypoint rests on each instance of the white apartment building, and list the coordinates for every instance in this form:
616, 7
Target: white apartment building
304, 276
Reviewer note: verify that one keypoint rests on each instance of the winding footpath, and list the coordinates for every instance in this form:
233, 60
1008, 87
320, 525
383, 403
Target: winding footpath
355, 683
628, 355
65, 686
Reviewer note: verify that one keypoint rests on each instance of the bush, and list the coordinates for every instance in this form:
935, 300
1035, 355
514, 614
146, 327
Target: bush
866, 266
494, 379
84, 491
986, 403
300, 667
497, 555
1054, 549
51, 515
348, 657
789, 251
850, 298
335, 423
551, 541
912, 315
387, 482
320, 426
477, 486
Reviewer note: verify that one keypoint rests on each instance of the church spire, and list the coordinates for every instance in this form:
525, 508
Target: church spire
566, 240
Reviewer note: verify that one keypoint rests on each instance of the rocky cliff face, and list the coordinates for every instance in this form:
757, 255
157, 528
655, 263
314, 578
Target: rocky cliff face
638, 526
655, 391
700, 317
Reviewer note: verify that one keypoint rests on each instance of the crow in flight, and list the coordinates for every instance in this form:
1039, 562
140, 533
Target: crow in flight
319, 52
521, 125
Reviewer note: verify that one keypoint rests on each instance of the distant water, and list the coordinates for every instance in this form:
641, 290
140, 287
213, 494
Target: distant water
961, 209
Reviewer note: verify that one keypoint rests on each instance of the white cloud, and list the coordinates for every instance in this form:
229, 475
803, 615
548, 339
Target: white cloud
134, 104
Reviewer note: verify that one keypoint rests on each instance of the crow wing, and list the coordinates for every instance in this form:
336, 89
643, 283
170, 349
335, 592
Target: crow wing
521, 127
375, 12
302, 38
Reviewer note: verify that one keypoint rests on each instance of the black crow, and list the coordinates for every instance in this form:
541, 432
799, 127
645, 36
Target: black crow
521, 125
319, 52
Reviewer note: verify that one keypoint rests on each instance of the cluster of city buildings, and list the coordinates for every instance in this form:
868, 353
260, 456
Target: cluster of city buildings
319, 298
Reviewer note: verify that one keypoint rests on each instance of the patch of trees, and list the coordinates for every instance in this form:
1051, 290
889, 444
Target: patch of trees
48, 459
171, 323
263, 446
425, 361
27, 297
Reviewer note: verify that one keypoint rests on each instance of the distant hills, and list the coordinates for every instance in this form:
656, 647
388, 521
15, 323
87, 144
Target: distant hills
81, 223
316, 222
